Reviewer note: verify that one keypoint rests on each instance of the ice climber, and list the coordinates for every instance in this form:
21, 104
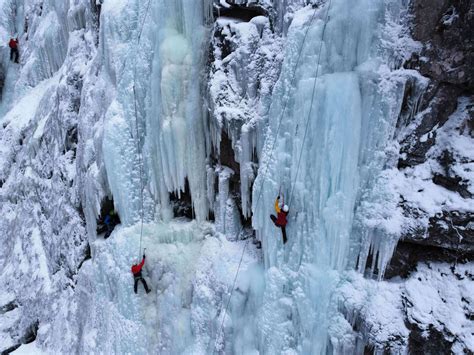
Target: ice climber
13, 44
110, 222
137, 275
280, 219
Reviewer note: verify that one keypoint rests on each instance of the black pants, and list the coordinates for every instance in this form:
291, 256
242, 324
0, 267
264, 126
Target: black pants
14, 54
135, 286
283, 229
109, 231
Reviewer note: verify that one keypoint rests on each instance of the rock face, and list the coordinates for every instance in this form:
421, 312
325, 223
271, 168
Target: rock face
447, 59
436, 154
244, 63
436, 141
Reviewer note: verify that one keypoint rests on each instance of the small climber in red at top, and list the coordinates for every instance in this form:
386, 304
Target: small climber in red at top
13, 44
280, 220
137, 275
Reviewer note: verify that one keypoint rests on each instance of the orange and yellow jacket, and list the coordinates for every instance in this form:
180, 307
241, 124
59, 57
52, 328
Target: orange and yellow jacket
281, 215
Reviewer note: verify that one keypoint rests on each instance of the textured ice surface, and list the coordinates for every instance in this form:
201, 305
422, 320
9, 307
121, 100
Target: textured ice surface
189, 269
341, 136
41, 230
246, 62
29, 349
160, 129
177, 137
71, 134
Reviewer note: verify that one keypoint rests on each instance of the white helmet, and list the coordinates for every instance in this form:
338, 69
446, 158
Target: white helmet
286, 208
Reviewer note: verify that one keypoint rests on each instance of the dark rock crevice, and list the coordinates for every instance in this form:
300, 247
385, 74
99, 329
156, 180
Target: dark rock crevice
182, 202
437, 104
226, 158
243, 12
430, 342
408, 254
10, 306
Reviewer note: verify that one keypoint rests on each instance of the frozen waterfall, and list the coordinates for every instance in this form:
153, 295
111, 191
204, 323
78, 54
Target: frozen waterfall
145, 137
164, 134
340, 136
350, 122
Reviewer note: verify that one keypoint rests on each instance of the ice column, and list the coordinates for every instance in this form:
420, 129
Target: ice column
176, 133
160, 128
122, 133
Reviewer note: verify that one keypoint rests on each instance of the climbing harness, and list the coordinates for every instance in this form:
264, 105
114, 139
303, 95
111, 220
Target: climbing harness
273, 149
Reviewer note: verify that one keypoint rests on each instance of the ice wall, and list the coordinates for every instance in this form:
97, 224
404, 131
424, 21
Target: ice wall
155, 139
176, 140
189, 269
43, 239
351, 115
121, 135
40, 59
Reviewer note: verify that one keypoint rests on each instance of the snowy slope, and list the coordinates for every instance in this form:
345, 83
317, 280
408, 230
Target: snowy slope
437, 297
42, 232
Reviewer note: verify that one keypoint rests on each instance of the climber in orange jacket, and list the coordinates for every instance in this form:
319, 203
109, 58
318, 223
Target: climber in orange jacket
280, 219
137, 275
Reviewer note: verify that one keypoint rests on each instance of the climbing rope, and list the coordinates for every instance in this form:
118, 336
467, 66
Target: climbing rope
137, 138
271, 156
311, 106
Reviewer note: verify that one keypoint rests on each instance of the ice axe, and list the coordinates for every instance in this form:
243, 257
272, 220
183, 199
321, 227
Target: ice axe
280, 193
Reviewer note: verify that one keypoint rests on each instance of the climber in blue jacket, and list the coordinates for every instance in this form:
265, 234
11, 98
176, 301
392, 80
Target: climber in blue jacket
110, 222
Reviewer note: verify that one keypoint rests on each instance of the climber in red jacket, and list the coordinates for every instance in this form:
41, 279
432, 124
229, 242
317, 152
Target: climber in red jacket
137, 275
280, 219
13, 44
